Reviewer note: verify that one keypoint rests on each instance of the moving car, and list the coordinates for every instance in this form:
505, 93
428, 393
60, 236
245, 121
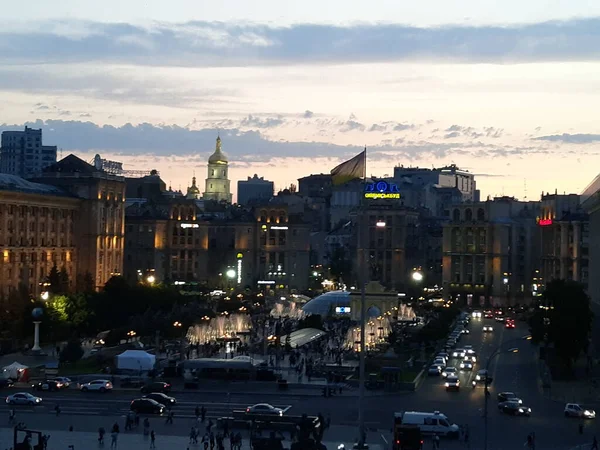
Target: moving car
97, 386
466, 365
509, 396
481, 376
434, 370
510, 323
449, 371
452, 383
161, 398
577, 410
440, 362
488, 328
476, 314
66, 382
514, 408
470, 358
157, 386
23, 398
458, 353
264, 408
146, 406
465, 331
430, 423
6, 382
488, 314
48, 385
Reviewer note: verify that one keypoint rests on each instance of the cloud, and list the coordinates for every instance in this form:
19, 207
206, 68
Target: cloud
377, 127
308, 114
204, 44
456, 131
451, 135
570, 138
352, 125
403, 126
256, 122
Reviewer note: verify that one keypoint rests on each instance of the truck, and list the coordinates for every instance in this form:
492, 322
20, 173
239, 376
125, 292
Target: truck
406, 437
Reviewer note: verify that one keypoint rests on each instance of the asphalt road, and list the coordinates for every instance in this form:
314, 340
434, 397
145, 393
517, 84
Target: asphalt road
516, 372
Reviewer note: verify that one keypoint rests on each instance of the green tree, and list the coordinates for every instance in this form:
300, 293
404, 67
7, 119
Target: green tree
85, 283
72, 352
564, 319
64, 280
54, 281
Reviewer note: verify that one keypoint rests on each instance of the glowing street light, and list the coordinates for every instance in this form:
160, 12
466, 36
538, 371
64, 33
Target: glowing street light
177, 324
151, 279
45, 295
380, 224
417, 276
230, 273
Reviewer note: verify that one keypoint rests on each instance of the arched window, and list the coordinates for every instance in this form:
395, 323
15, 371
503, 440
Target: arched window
456, 215
212, 173
480, 214
225, 173
468, 214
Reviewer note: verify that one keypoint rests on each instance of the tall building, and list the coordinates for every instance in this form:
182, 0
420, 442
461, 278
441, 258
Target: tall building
217, 186
318, 185
449, 176
491, 252
564, 231
100, 221
23, 154
254, 190
591, 204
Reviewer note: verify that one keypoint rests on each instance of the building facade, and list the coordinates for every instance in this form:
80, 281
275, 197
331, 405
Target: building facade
449, 176
217, 184
564, 233
37, 231
23, 154
254, 190
491, 252
100, 223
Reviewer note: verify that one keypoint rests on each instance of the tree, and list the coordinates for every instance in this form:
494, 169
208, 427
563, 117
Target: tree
563, 319
54, 281
65, 282
72, 352
340, 266
85, 283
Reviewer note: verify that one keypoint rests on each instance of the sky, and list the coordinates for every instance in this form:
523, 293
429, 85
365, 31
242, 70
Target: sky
507, 90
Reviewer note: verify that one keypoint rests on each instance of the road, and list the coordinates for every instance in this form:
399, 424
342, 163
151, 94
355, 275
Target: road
516, 372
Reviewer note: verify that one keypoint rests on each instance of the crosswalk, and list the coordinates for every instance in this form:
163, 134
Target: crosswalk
105, 407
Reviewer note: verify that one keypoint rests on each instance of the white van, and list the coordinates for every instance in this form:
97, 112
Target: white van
431, 423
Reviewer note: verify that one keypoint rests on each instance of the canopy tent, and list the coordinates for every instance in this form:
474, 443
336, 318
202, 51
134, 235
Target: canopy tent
135, 360
14, 370
302, 337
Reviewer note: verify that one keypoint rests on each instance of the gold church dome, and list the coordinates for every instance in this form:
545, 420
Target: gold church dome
218, 157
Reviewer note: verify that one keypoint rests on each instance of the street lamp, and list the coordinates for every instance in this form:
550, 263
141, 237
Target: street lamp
177, 324
45, 295
494, 354
417, 276
380, 224
230, 274
150, 279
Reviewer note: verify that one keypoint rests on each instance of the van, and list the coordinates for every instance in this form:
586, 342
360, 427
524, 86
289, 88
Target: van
429, 423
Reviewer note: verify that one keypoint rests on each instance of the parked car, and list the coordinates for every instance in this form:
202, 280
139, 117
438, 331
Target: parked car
97, 386
157, 386
6, 382
434, 370
23, 398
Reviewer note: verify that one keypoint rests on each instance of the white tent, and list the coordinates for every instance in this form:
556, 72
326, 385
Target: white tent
135, 360
14, 370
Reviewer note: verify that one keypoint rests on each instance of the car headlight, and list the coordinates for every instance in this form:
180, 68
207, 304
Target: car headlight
477, 377
38, 400
587, 413
447, 384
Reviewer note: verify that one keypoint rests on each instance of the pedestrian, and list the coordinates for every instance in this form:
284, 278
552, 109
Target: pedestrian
57, 410
436, 442
594, 444
152, 439
101, 432
113, 439
197, 412
203, 413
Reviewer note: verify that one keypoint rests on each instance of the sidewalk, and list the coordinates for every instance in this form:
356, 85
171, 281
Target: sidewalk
61, 440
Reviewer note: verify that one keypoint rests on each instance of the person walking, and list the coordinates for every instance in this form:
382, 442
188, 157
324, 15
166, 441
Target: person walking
113, 439
152, 439
436, 442
203, 413
594, 444
101, 433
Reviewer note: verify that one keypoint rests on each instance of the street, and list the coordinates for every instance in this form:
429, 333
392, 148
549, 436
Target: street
515, 372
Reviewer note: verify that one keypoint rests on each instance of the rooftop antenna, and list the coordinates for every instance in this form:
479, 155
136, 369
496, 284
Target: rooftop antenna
525, 187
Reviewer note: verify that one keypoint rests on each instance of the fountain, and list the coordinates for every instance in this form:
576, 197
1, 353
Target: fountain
291, 311
218, 328
406, 312
377, 331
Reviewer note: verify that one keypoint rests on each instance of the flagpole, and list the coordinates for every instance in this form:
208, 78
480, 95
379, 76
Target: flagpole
363, 230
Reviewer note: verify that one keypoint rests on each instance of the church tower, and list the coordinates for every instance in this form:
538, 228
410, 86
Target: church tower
217, 186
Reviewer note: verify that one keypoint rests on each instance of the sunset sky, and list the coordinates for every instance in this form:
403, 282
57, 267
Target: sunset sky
507, 90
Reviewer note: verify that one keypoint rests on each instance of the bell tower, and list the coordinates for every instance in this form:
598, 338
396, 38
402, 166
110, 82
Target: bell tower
217, 185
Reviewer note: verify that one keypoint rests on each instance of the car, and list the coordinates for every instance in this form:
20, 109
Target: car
499, 319
6, 382
468, 348
488, 328
481, 375
458, 353
466, 365
452, 383
66, 382
514, 408
264, 408
161, 398
48, 385
97, 386
577, 410
434, 370
510, 323
488, 314
449, 371
440, 362
476, 314
509, 396
146, 406
444, 355
470, 358
465, 331
157, 386
23, 398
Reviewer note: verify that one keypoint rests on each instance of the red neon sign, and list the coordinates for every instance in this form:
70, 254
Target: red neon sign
545, 222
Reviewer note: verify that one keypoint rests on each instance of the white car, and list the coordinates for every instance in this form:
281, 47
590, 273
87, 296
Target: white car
458, 353
465, 331
577, 410
488, 328
449, 371
476, 314
470, 358
264, 408
23, 398
97, 386
434, 370
452, 383
481, 375
439, 362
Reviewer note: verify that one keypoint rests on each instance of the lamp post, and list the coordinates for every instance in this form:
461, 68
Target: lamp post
499, 350
36, 314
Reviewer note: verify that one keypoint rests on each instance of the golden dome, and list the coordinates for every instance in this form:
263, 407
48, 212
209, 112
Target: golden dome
218, 157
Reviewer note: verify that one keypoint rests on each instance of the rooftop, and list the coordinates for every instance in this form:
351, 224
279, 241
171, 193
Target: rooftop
18, 184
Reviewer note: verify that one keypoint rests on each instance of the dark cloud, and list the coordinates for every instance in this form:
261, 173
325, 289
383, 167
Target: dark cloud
570, 138
308, 114
403, 126
202, 44
256, 122
453, 134
455, 131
